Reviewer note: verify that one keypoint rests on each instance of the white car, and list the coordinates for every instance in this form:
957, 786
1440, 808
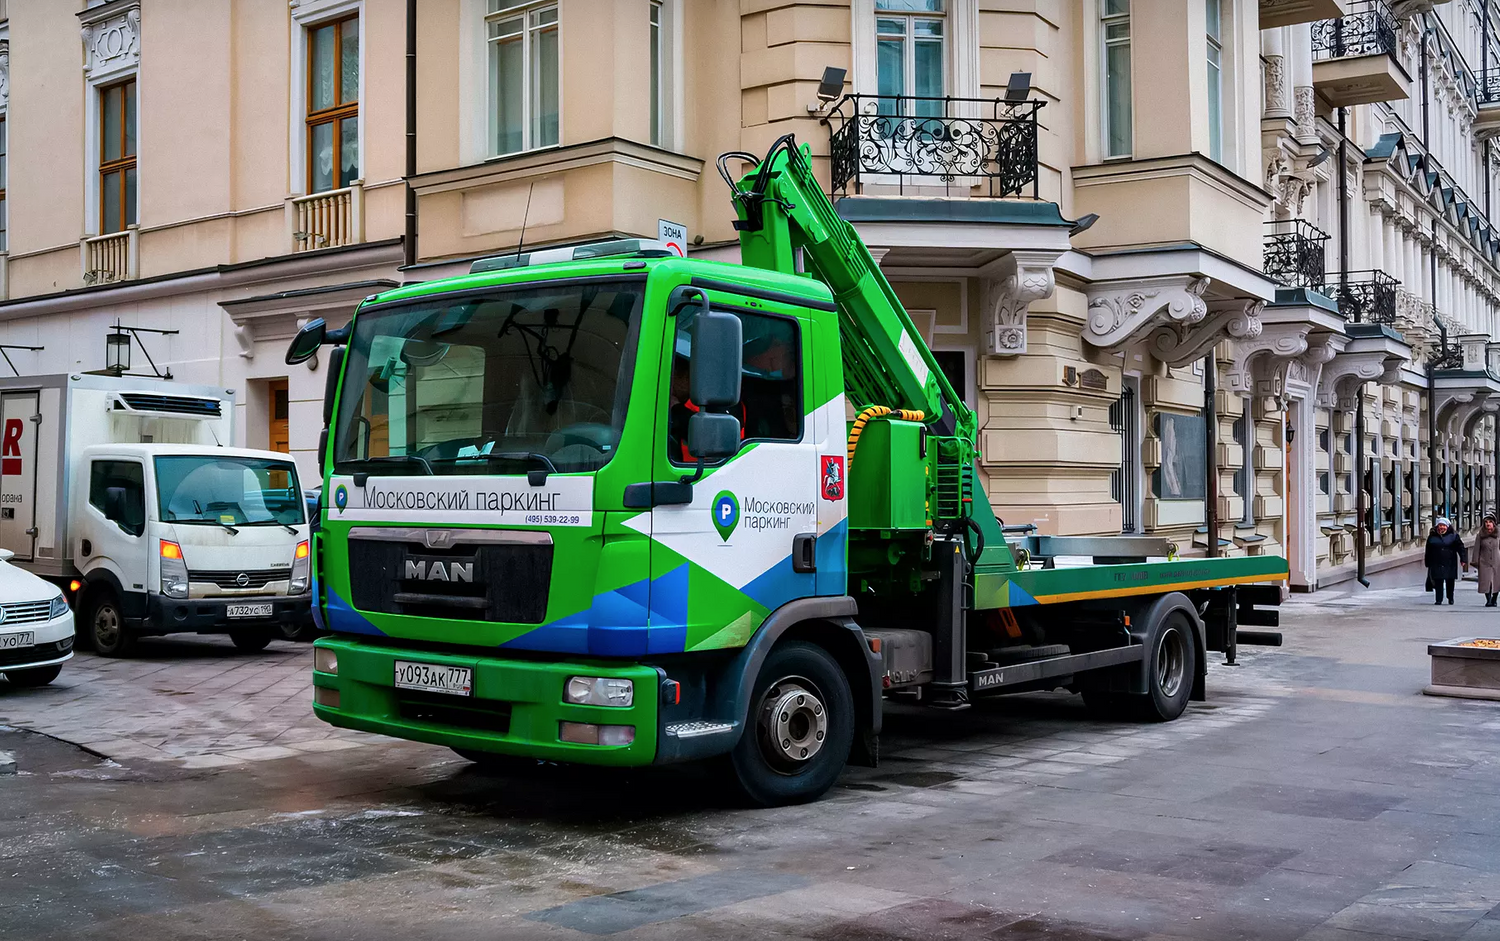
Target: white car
36, 627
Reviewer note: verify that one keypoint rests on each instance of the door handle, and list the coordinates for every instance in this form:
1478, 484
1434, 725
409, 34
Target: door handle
805, 552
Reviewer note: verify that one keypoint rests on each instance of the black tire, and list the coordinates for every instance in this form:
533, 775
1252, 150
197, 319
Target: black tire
250, 641
305, 633
799, 731
1171, 669
38, 676
105, 625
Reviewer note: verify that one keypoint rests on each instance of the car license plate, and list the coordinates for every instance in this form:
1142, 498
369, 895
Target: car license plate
248, 610
14, 641
432, 678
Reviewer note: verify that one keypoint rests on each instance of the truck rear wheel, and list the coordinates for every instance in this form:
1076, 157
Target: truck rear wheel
1171, 667
106, 625
799, 731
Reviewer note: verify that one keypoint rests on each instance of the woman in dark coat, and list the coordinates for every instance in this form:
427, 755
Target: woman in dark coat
1445, 551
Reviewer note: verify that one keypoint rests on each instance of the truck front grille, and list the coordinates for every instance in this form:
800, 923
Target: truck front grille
506, 583
253, 578
490, 715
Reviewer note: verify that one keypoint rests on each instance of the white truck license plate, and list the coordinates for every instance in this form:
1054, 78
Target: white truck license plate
14, 641
432, 678
248, 610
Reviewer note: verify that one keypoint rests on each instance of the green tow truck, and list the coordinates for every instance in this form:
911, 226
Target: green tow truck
611, 506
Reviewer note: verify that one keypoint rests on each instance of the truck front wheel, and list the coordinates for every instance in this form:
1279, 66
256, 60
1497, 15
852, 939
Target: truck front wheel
799, 730
106, 625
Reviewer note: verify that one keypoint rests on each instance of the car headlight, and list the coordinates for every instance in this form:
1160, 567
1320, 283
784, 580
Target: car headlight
174, 573
600, 691
58, 609
298, 583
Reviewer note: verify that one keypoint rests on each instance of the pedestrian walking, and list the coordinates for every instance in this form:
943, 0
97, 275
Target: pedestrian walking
1486, 558
1445, 552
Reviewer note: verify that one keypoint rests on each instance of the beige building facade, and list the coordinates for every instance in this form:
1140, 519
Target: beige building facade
1095, 210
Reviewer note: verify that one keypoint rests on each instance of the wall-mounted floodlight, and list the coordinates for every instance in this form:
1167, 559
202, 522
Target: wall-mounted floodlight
1018, 88
1323, 154
831, 88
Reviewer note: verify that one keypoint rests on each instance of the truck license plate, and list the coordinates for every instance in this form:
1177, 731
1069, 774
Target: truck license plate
248, 610
14, 641
431, 678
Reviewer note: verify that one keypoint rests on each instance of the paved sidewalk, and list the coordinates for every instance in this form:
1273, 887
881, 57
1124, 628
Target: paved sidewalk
195, 701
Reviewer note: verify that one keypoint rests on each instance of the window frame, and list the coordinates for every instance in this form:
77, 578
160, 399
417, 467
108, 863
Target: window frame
339, 111
1244, 478
909, 52
1214, 55
125, 163
1107, 118
740, 311
99, 464
526, 12
658, 28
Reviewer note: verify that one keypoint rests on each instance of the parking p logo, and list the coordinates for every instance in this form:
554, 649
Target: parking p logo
726, 514
341, 498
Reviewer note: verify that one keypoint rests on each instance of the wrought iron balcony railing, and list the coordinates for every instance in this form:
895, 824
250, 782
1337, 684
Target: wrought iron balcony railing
1447, 353
1364, 296
1488, 86
952, 142
1368, 29
1294, 254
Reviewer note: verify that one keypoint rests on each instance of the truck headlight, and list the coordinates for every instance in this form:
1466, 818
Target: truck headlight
174, 573
298, 583
600, 691
325, 660
58, 609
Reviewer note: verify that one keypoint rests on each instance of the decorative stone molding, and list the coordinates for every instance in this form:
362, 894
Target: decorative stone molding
1259, 363
1119, 311
1278, 101
4, 73
1305, 114
1288, 183
1179, 344
1340, 382
111, 41
1018, 279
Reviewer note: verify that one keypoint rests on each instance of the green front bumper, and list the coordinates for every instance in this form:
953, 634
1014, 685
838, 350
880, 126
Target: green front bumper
532, 691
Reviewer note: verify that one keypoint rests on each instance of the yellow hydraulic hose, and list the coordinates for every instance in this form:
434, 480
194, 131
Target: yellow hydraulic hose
877, 411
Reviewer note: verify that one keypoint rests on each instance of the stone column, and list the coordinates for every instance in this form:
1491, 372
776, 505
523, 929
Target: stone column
1299, 51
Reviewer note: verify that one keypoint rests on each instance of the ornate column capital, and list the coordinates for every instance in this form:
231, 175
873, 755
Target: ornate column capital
1121, 310
1012, 283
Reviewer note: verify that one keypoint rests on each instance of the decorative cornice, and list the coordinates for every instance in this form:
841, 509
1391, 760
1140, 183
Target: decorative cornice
1018, 279
1179, 344
1348, 371
1119, 311
111, 41
1258, 364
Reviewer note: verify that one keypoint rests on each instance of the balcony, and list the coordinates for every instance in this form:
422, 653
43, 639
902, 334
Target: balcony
1355, 57
1274, 13
109, 258
933, 146
1487, 98
331, 219
1294, 253
1364, 296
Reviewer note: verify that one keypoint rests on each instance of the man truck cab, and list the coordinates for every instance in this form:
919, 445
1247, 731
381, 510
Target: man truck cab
119, 489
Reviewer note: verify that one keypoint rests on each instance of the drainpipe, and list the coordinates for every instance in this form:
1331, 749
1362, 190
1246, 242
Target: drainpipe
1360, 531
409, 237
1211, 436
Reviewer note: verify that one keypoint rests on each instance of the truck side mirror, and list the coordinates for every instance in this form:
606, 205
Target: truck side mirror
305, 344
713, 436
714, 372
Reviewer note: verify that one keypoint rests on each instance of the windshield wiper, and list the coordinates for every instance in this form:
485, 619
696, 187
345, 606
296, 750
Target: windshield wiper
289, 529
361, 476
231, 529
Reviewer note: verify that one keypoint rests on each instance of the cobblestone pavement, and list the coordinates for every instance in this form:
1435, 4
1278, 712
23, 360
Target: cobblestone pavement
1316, 795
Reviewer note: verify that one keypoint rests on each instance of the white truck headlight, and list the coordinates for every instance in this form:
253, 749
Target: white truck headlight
600, 691
58, 609
174, 573
325, 660
299, 580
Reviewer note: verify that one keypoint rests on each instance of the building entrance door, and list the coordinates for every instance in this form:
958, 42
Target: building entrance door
278, 436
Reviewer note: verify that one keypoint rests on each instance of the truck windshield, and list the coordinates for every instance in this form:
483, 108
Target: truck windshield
532, 378
228, 491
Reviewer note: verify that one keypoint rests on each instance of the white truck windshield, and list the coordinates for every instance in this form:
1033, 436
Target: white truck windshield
228, 491
529, 378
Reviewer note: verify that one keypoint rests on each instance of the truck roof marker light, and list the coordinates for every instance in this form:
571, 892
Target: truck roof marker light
171, 550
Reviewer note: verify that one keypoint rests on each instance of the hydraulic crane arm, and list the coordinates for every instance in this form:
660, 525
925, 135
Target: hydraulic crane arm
783, 213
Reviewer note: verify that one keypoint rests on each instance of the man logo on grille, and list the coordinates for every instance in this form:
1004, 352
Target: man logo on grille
242, 579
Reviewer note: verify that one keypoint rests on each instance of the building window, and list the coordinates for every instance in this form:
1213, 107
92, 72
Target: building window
1117, 118
332, 104
524, 76
909, 56
658, 58
117, 192
1244, 478
1215, 80
4, 169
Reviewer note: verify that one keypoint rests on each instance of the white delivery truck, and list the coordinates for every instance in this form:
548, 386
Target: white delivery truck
119, 490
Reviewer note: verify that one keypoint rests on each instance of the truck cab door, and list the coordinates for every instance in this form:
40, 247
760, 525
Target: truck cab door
112, 534
746, 544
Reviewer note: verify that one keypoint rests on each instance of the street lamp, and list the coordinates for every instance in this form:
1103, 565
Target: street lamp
117, 352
